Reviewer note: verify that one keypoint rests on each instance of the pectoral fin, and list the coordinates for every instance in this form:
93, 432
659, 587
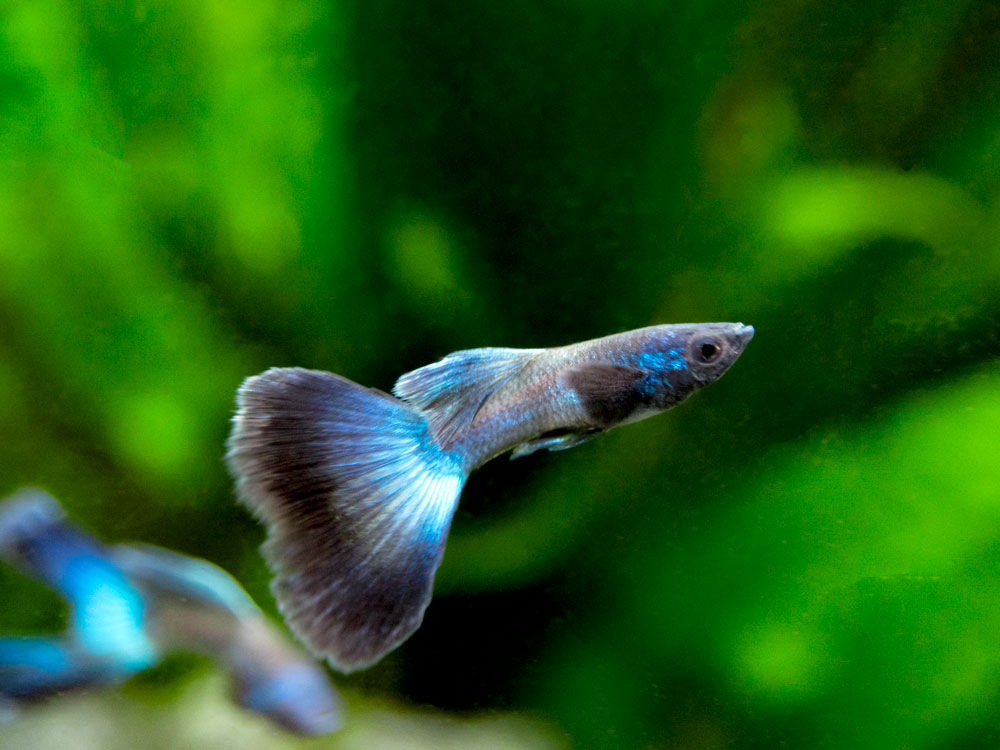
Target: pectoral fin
552, 443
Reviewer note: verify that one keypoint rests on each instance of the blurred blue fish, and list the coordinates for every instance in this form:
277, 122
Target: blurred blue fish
193, 605
357, 487
106, 612
132, 604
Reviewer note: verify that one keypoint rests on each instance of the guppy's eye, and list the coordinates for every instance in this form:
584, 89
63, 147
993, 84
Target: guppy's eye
707, 349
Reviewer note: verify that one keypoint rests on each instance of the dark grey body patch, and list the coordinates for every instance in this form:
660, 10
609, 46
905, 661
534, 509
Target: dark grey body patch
608, 393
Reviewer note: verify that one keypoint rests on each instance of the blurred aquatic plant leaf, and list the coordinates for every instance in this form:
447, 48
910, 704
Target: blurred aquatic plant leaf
811, 209
95, 289
849, 541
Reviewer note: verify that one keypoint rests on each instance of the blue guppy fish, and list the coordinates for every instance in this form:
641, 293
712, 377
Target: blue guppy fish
357, 487
130, 604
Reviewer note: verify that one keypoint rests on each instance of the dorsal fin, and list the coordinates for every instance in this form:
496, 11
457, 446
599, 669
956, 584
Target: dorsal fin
451, 390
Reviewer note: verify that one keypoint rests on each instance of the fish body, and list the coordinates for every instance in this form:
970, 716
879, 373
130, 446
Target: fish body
357, 488
581, 389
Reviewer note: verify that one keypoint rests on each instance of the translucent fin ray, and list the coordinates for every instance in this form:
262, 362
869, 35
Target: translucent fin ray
451, 390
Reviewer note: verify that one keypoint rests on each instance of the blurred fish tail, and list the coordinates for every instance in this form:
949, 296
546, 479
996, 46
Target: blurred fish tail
357, 496
107, 612
28, 519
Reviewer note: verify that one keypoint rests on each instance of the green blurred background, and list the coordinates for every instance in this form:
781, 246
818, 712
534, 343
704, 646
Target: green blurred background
805, 555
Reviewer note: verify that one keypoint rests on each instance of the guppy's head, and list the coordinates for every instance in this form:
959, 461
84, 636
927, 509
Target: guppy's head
680, 359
